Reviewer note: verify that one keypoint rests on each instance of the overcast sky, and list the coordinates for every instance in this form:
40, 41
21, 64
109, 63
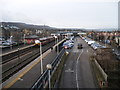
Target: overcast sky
62, 13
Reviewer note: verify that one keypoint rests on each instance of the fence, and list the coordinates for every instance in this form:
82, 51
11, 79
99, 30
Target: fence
42, 82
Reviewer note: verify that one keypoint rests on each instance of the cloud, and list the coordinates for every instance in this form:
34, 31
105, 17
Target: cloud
61, 13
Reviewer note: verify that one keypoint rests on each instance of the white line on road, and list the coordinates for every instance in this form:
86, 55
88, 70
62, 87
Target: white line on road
87, 51
77, 70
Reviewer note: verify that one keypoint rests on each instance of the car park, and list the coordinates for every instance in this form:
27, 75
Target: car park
96, 46
92, 43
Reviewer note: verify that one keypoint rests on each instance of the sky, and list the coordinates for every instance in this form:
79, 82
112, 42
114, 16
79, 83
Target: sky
62, 13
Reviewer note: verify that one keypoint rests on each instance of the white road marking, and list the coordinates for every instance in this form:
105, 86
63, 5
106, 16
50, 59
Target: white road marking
69, 70
87, 51
77, 70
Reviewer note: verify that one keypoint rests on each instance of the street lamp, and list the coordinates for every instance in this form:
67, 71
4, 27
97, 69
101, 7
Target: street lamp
11, 42
18, 55
49, 67
41, 57
24, 39
56, 41
38, 41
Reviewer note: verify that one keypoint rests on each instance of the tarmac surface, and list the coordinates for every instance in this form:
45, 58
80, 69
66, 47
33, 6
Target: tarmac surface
77, 72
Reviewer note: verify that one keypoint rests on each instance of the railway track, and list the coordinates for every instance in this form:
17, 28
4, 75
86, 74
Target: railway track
10, 67
13, 55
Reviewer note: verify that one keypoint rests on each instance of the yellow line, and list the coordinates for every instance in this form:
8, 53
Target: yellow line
16, 79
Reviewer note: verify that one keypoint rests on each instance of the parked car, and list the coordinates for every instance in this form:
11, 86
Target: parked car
6, 43
87, 40
90, 42
68, 44
95, 46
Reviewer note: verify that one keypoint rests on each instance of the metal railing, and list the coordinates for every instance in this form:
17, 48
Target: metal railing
43, 80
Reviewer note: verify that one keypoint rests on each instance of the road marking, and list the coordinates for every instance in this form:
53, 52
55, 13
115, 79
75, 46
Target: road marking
69, 70
77, 70
87, 51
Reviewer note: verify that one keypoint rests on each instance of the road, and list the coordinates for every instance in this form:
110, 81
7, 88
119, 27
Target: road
77, 72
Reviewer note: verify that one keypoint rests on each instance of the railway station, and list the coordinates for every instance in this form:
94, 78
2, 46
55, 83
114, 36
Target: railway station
26, 67
59, 44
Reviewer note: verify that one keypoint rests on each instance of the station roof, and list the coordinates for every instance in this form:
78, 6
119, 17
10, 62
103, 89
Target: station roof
32, 36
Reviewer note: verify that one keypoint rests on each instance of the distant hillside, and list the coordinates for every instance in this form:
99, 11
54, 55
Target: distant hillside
24, 25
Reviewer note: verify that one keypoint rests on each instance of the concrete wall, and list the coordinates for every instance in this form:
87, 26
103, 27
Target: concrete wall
101, 70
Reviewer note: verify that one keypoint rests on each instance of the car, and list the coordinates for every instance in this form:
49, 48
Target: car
79, 46
87, 40
95, 46
90, 42
6, 43
118, 57
68, 44
71, 41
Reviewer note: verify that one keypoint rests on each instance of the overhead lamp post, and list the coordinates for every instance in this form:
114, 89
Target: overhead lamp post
18, 55
41, 57
56, 42
24, 39
49, 67
55, 39
38, 41
11, 42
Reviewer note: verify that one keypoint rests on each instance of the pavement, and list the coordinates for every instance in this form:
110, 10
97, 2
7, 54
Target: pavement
77, 72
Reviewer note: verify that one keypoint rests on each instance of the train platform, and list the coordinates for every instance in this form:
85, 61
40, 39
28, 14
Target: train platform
26, 77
